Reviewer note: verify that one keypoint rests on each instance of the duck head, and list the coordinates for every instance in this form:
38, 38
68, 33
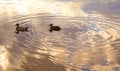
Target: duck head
17, 25
51, 25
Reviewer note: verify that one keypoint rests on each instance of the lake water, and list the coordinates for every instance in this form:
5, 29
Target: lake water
83, 44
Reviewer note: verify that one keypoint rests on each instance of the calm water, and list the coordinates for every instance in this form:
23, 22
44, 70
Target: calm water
83, 44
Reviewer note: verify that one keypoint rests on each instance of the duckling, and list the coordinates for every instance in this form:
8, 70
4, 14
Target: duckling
54, 28
21, 29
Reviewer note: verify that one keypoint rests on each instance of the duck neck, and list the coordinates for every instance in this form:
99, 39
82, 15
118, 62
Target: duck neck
17, 25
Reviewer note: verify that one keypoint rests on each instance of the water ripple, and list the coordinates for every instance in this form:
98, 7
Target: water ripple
83, 43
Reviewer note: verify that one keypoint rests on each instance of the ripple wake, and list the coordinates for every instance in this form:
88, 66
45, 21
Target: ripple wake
83, 43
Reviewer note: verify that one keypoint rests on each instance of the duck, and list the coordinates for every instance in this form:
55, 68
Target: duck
54, 28
21, 29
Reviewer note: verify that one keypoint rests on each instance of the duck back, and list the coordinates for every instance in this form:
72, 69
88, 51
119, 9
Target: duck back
56, 28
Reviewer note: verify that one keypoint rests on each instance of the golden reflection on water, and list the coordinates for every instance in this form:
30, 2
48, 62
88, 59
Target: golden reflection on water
72, 49
81, 45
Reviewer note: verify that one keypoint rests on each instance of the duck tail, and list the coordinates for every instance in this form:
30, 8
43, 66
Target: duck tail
27, 28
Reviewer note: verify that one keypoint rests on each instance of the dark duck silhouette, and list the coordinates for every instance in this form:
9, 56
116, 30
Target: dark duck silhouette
54, 28
21, 29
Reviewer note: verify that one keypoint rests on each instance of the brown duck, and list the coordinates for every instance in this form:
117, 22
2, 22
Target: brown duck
54, 28
21, 29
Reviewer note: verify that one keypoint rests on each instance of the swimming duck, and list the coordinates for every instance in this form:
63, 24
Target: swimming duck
21, 29
54, 28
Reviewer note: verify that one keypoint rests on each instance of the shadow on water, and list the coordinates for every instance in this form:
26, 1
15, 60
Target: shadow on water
83, 44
